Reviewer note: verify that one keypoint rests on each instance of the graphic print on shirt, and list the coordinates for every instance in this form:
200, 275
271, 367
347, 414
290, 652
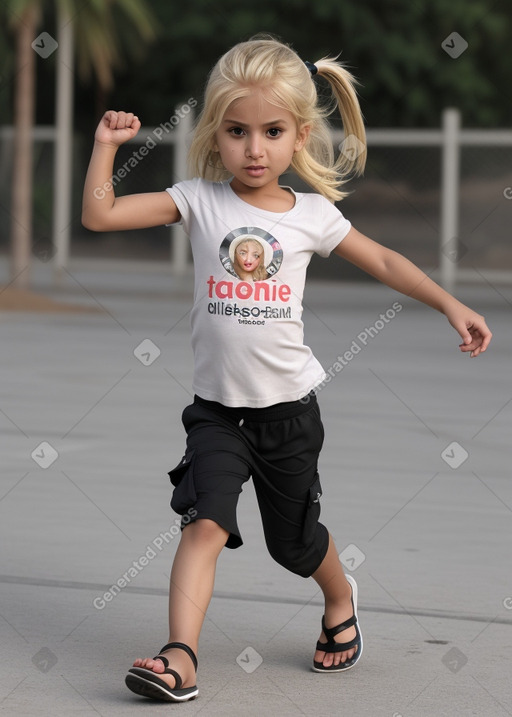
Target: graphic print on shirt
252, 257
251, 254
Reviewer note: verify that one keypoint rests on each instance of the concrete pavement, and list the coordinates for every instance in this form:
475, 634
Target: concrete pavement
417, 495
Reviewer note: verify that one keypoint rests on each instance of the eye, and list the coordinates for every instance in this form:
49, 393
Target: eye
275, 132
236, 131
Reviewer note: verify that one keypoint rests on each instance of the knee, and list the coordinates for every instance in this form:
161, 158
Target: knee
206, 532
300, 557
294, 558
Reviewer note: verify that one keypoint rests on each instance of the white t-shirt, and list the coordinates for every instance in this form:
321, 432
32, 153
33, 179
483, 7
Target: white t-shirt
247, 330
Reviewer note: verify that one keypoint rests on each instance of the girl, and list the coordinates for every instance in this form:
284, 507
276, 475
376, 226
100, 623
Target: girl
261, 115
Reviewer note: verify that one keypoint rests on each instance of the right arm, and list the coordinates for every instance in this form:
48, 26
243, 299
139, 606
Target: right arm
102, 211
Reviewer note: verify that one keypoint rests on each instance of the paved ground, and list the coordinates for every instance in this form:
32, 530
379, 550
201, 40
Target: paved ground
417, 494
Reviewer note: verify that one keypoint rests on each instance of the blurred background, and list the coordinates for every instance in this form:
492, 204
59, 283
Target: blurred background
63, 63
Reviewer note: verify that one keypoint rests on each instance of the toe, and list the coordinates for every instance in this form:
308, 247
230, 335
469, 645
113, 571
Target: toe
327, 659
149, 663
158, 666
347, 656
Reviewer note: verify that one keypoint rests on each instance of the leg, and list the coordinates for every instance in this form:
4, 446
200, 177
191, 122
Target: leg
338, 607
209, 478
191, 587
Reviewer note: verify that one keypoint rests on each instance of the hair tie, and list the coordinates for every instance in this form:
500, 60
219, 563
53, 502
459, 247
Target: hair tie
311, 67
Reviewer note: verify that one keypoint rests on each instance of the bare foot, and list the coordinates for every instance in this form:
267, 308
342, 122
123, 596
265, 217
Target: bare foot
178, 661
334, 615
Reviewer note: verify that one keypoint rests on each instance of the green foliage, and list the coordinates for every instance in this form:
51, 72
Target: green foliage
392, 46
107, 32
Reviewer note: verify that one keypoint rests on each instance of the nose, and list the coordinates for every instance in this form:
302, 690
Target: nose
254, 148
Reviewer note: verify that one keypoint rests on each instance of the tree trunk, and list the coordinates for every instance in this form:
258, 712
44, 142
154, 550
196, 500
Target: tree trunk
24, 102
62, 194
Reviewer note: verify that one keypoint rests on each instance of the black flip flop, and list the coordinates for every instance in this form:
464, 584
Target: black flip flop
148, 684
332, 646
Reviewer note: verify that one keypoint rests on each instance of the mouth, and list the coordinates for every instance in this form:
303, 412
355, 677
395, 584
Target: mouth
255, 170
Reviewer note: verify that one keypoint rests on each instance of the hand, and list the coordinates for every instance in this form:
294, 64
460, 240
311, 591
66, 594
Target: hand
115, 128
472, 328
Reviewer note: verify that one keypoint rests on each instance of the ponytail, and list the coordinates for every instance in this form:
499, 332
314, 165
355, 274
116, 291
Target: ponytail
316, 164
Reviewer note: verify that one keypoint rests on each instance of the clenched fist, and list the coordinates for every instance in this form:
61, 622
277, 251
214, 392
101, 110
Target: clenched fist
115, 128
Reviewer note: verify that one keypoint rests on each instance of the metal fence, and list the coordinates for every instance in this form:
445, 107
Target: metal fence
448, 139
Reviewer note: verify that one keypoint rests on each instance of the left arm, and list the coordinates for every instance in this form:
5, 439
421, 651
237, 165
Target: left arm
397, 272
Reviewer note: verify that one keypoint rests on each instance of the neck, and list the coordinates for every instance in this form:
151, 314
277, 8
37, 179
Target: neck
270, 197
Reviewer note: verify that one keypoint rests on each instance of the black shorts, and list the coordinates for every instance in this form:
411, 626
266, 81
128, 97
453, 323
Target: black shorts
278, 446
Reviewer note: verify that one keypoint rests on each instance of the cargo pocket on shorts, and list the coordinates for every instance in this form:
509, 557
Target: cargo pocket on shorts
182, 477
312, 512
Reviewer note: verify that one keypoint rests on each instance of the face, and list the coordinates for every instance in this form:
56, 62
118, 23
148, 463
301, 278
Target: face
248, 256
257, 140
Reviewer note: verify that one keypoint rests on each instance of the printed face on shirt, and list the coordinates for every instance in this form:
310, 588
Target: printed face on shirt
249, 260
250, 254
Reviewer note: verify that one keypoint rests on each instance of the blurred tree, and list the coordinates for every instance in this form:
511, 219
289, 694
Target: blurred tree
98, 51
392, 46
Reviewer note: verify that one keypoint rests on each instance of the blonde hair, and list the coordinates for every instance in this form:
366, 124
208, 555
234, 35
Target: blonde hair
287, 81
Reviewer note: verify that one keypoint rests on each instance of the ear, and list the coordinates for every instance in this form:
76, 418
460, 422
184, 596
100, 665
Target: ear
302, 137
214, 145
